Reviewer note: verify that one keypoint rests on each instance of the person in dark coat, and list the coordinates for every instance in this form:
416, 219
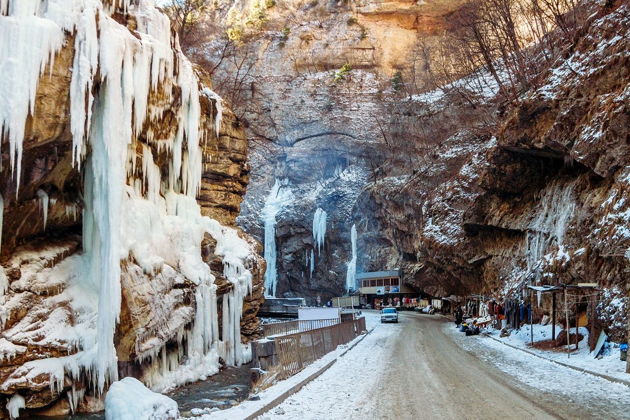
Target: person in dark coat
459, 315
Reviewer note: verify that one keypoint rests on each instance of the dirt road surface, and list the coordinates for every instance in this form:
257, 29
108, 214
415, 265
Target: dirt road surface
422, 369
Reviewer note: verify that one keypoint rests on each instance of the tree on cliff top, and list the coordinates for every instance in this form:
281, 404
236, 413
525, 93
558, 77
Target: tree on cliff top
186, 14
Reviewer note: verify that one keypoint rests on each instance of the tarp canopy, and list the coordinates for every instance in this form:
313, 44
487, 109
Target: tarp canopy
544, 289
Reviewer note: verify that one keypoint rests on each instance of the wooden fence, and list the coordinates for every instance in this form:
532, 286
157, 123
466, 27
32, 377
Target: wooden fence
296, 351
292, 327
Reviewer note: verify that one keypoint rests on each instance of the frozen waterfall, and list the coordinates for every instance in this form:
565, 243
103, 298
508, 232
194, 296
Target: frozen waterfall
319, 228
549, 226
352, 264
279, 196
162, 221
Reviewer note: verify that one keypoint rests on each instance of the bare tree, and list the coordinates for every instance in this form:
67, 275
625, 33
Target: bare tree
185, 15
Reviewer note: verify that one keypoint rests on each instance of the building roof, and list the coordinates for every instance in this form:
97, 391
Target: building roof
378, 274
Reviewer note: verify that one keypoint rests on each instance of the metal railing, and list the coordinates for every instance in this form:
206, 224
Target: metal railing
292, 327
296, 351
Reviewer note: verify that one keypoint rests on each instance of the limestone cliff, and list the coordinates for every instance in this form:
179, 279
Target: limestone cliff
316, 92
114, 72
543, 201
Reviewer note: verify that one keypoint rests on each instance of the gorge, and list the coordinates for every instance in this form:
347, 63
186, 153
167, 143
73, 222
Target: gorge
158, 179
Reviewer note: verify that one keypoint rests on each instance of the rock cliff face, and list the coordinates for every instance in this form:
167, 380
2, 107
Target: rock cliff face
187, 287
314, 124
543, 201
538, 197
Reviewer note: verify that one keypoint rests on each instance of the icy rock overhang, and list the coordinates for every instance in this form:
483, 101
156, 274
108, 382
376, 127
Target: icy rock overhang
138, 118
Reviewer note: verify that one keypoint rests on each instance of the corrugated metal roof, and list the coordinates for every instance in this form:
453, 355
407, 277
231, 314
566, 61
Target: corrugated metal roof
378, 274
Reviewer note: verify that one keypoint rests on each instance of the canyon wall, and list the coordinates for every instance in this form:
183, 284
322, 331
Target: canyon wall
506, 194
317, 96
543, 201
108, 266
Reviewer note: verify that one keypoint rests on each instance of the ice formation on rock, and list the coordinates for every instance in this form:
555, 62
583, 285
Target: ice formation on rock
15, 404
557, 205
279, 196
319, 228
312, 263
44, 202
352, 264
148, 214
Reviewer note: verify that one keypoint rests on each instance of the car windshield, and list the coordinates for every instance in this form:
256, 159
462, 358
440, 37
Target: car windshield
389, 311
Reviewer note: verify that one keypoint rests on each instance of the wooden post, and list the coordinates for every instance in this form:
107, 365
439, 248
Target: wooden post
553, 315
577, 321
531, 315
566, 311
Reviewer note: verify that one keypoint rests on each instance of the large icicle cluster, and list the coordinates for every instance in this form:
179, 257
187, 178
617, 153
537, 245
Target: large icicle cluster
548, 228
145, 213
319, 228
351, 273
279, 196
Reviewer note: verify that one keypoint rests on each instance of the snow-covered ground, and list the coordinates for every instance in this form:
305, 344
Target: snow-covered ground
609, 364
592, 392
320, 398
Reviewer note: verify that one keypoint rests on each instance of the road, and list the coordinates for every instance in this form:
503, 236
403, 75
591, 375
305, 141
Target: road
418, 369
450, 382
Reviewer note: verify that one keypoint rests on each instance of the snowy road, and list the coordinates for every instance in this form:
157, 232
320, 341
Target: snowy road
423, 369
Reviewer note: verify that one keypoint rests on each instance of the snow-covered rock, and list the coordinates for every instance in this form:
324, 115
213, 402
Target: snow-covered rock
129, 399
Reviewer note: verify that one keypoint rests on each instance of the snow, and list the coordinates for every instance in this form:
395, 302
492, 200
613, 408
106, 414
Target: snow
4, 284
320, 398
15, 404
279, 197
595, 393
319, 228
129, 399
608, 364
351, 273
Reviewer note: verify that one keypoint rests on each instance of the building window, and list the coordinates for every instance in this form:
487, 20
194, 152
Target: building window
379, 282
386, 282
395, 282
372, 283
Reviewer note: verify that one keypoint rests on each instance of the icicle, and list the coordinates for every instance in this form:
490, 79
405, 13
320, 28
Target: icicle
28, 44
15, 404
43, 203
352, 264
84, 67
319, 228
219, 108
279, 196
553, 215
312, 263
